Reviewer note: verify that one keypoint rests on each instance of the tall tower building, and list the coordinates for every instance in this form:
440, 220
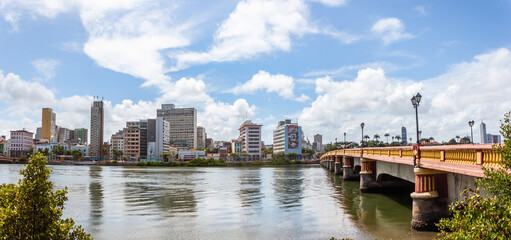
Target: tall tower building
96, 129
183, 124
483, 133
317, 145
201, 137
403, 136
48, 125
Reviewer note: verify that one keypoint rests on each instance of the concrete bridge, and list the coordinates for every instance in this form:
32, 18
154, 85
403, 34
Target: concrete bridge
4, 159
439, 173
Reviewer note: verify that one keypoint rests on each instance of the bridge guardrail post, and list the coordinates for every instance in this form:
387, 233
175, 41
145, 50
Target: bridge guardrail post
479, 157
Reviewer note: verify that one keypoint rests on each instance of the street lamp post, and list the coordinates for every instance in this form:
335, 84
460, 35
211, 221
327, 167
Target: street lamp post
415, 102
362, 126
471, 124
344, 138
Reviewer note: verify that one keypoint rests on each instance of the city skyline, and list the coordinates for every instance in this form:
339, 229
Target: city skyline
329, 65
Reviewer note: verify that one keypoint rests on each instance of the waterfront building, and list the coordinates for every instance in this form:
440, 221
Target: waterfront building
3, 146
317, 145
132, 140
183, 125
483, 133
21, 143
236, 146
306, 143
48, 128
162, 144
82, 148
201, 137
287, 138
191, 154
116, 142
49, 146
223, 153
96, 130
403, 136
250, 137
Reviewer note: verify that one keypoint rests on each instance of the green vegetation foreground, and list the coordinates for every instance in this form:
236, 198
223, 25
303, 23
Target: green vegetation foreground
32, 210
485, 217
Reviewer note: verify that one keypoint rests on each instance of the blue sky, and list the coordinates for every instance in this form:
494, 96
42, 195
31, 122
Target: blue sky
329, 64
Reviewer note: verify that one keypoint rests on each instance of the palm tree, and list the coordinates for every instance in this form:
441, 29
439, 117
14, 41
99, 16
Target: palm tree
458, 137
431, 139
393, 138
398, 138
387, 135
376, 137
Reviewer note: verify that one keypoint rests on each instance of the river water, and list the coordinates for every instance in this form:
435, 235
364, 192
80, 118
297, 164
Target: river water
225, 203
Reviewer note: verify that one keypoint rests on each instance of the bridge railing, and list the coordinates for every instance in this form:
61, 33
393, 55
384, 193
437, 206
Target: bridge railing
471, 154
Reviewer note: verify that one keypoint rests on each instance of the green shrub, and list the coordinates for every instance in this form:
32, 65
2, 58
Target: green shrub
32, 210
258, 163
114, 161
141, 164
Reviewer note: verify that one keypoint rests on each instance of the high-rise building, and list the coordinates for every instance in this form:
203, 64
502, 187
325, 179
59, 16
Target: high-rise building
250, 137
483, 133
209, 143
201, 137
287, 138
162, 144
116, 143
21, 143
64, 135
38, 133
183, 124
317, 145
48, 128
403, 136
96, 130
81, 135
132, 140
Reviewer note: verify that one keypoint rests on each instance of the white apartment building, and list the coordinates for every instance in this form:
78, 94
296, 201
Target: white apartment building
287, 138
250, 137
162, 137
183, 125
21, 143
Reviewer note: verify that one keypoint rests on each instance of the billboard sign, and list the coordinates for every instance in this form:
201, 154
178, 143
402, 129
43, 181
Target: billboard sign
293, 138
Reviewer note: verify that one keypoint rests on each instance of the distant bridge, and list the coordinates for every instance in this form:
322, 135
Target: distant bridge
4, 159
439, 173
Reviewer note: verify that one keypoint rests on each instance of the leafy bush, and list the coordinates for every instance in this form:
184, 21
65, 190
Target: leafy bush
196, 162
258, 163
32, 210
485, 217
141, 164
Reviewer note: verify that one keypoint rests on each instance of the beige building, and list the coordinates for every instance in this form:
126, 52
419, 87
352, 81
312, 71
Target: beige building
250, 137
183, 125
132, 140
201, 137
117, 143
48, 125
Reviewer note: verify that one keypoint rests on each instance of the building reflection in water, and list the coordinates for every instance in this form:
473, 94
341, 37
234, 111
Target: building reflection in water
287, 187
96, 195
165, 193
250, 188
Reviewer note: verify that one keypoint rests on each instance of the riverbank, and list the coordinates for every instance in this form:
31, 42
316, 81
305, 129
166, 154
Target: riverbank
191, 163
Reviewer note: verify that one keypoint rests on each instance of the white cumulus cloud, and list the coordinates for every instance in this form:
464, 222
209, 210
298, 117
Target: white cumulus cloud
476, 90
390, 30
279, 83
45, 68
253, 28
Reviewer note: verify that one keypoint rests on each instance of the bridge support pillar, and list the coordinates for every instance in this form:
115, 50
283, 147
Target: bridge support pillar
331, 163
348, 169
429, 199
368, 176
338, 165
